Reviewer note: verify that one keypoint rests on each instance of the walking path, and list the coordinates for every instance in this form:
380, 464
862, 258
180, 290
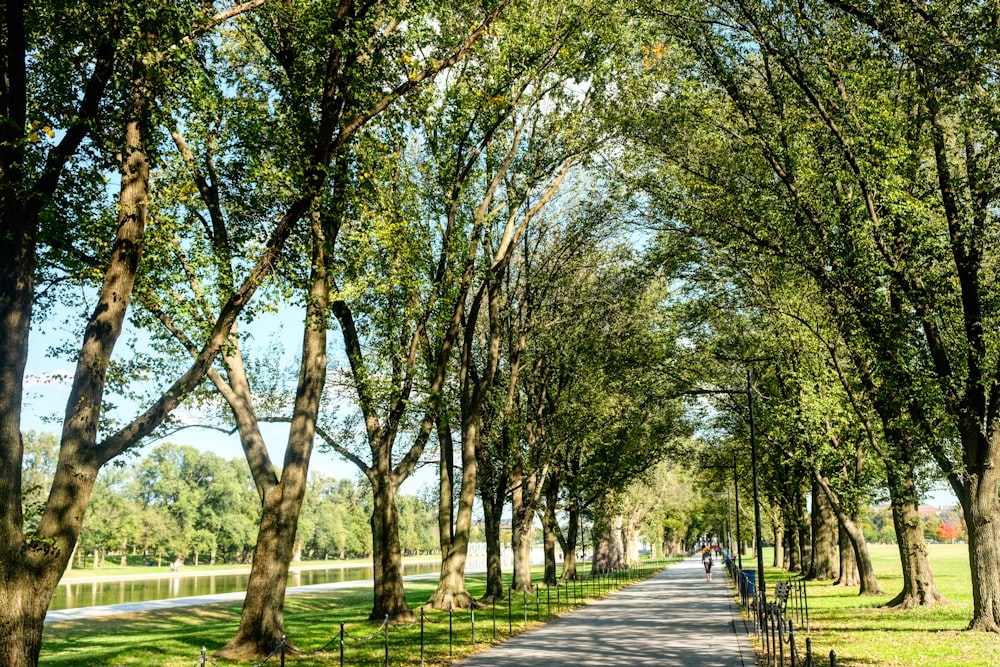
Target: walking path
674, 618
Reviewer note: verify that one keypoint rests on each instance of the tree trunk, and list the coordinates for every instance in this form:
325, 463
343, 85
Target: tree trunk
23, 604
848, 562
451, 592
981, 511
794, 549
569, 543
856, 538
777, 559
630, 542
869, 583
522, 530
549, 530
262, 623
390, 597
608, 547
824, 563
919, 588
492, 500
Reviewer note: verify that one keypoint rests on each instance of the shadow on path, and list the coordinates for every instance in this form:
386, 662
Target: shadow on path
672, 619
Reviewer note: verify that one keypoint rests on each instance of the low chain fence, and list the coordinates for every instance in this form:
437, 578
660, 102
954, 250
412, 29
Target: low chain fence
778, 622
439, 633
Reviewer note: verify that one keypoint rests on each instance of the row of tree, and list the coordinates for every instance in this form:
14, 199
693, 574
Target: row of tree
427, 181
178, 502
834, 163
452, 196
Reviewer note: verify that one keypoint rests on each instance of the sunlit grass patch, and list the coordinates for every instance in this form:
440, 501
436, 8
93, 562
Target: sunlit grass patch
174, 637
863, 632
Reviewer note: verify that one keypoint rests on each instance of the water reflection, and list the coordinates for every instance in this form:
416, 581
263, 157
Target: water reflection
71, 595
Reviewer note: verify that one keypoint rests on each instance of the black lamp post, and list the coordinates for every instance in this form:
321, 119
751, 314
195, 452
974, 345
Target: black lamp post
736, 493
748, 392
736, 496
756, 493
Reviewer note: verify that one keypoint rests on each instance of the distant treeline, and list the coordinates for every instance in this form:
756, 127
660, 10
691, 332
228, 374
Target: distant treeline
180, 502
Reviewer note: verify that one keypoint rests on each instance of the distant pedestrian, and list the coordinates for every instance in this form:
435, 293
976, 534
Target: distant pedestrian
706, 560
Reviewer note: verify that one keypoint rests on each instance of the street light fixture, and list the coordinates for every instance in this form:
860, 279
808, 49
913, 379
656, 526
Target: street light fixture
736, 493
748, 392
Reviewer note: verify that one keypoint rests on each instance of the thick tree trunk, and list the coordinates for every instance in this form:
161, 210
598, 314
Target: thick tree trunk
824, 563
492, 512
919, 588
848, 562
23, 604
630, 542
522, 516
549, 530
609, 552
390, 597
30, 568
982, 509
568, 543
262, 621
451, 591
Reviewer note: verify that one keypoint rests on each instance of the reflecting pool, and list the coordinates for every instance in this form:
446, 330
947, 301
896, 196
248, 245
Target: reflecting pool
73, 594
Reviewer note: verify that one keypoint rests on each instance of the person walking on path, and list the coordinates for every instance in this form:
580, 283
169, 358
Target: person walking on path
670, 620
706, 561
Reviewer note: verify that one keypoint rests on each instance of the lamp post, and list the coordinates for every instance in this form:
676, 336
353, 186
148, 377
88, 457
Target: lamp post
736, 494
748, 392
756, 493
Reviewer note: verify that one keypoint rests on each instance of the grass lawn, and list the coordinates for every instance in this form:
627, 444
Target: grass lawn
862, 633
174, 637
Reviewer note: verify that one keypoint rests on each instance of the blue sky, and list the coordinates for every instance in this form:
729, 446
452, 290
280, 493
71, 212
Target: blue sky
47, 387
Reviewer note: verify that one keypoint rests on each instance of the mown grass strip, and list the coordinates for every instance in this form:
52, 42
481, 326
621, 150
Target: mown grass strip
174, 638
864, 633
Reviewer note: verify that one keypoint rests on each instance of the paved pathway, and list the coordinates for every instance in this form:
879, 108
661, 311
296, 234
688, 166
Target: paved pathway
675, 618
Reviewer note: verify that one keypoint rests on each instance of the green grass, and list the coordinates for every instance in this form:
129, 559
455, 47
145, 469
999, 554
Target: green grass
863, 633
174, 638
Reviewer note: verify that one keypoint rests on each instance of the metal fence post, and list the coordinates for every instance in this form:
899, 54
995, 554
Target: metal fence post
282, 646
341, 645
387, 640
510, 611
833, 659
472, 614
421, 637
451, 653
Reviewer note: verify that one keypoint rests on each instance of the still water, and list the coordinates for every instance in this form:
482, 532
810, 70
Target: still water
71, 595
